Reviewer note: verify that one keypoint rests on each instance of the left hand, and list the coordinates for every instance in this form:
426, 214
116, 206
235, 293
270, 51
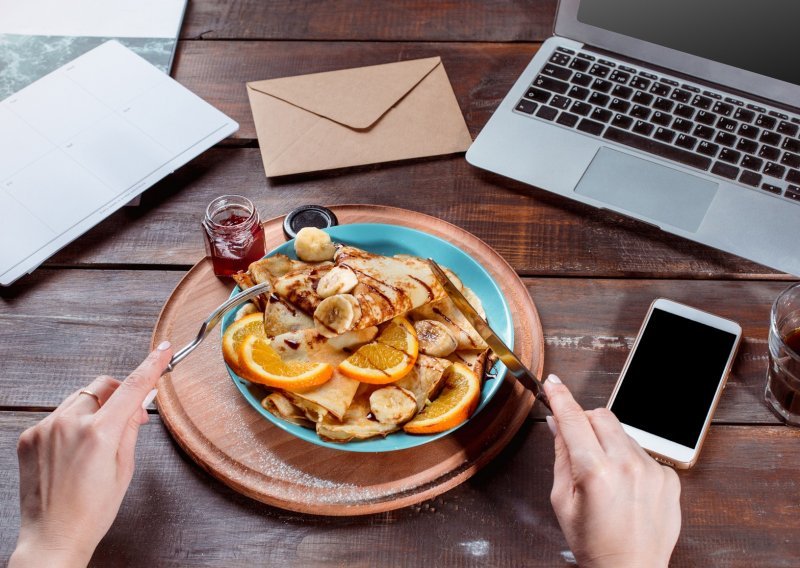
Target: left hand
75, 467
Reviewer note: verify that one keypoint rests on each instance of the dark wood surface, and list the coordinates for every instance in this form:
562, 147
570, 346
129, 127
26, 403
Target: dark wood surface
92, 309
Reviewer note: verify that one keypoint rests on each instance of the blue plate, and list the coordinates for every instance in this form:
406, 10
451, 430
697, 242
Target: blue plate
390, 240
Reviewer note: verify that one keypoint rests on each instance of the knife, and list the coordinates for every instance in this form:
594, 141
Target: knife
511, 361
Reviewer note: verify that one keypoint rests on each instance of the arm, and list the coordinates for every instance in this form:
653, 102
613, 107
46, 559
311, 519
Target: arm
616, 505
75, 467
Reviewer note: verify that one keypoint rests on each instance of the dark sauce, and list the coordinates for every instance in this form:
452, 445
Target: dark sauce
291, 343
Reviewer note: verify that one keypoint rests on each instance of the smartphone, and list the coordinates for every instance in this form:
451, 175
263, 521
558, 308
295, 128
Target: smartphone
673, 380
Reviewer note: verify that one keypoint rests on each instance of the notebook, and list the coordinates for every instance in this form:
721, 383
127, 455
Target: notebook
682, 114
79, 143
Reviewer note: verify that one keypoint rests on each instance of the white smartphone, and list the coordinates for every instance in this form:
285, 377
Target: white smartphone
673, 380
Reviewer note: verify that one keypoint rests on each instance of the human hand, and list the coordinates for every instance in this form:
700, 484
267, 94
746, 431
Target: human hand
75, 467
616, 505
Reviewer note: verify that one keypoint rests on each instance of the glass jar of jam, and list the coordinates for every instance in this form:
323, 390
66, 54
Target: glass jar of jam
234, 235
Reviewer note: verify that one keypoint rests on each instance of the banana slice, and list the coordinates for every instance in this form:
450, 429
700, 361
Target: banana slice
434, 338
313, 245
474, 301
392, 405
339, 280
336, 315
454, 279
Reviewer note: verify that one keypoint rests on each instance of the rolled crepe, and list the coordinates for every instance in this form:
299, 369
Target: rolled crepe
425, 378
356, 424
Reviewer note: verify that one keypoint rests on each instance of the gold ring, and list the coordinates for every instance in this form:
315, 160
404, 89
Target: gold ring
93, 395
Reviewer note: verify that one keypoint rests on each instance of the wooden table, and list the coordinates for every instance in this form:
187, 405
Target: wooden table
93, 306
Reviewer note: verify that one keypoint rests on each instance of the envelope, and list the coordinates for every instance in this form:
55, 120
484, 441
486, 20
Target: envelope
352, 117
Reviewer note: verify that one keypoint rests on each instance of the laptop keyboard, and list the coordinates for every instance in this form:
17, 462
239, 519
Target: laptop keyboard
727, 137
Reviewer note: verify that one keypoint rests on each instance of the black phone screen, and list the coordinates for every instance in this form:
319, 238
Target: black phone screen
672, 378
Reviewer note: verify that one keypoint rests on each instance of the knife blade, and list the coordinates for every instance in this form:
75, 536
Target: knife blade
509, 359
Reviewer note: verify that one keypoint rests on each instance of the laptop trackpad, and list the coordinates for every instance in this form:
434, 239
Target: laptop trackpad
659, 193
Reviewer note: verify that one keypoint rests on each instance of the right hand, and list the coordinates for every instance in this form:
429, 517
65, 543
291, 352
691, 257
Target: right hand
616, 505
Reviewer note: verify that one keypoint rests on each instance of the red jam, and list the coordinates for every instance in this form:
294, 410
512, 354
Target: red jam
234, 235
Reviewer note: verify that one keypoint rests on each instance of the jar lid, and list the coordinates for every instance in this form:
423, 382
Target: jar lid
308, 216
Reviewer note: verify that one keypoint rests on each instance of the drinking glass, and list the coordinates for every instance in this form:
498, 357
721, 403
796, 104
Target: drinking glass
783, 376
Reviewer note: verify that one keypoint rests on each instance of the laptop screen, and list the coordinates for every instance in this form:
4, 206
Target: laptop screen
757, 36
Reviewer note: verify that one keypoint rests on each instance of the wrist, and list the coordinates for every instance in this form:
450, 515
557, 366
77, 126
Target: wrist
36, 550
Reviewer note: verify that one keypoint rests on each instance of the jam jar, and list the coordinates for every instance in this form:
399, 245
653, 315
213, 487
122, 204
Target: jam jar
234, 235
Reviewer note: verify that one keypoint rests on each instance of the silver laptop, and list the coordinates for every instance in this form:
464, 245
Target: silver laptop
682, 114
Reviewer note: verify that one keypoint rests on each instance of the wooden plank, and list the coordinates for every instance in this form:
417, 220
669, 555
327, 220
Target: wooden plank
739, 509
217, 71
538, 233
385, 20
68, 326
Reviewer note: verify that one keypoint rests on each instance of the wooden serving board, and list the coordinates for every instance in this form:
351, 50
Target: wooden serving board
215, 425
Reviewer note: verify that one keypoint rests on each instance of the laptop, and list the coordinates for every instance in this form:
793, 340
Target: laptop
682, 114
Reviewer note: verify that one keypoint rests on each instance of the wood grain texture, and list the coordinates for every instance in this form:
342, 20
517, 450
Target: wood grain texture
218, 428
217, 71
59, 332
736, 512
538, 233
357, 20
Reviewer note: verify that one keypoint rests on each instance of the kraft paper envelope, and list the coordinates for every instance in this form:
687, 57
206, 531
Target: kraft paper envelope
357, 116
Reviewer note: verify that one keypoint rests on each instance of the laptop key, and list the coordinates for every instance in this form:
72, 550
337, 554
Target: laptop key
601, 85
658, 148
526, 106
590, 126
599, 99
640, 83
663, 104
750, 178
725, 170
537, 95
771, 138
661, 118
787, 128
682, 125
701, 102
727, 124
749, 131
642, 98
581, 108
639, 111
550, 84
547, 113
686, 141
792, 192
581, 79
752, 163
725, 138
743, 115
747, 146
622, 121
568, 119
618, 105
642, 127
619, 76
764, 121
705, 132
557, 72
769, 153
660, 89
723, 108
791, 145
599, 70
579, 64
791, 160
560, 58
578, 93
681, 96
601, 115
707, 148
793, 176
664, 134
728, 155
771, 188
622, 92
684, 111
706, 117
560, 102
774, 170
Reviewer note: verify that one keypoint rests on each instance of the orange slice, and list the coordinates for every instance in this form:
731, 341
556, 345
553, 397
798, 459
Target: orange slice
387, 359
260, 363
457, 401
251, 324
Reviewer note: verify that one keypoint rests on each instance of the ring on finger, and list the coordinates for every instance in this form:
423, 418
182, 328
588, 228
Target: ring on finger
93, 395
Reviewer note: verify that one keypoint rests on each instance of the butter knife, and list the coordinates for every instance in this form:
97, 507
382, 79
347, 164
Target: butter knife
511, 361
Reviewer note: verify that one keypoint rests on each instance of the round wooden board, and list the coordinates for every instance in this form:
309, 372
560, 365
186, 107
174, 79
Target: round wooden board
213, 423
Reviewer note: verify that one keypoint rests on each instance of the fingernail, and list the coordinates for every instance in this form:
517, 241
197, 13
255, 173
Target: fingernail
149, 398
554, 379
164, 345
551, 423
